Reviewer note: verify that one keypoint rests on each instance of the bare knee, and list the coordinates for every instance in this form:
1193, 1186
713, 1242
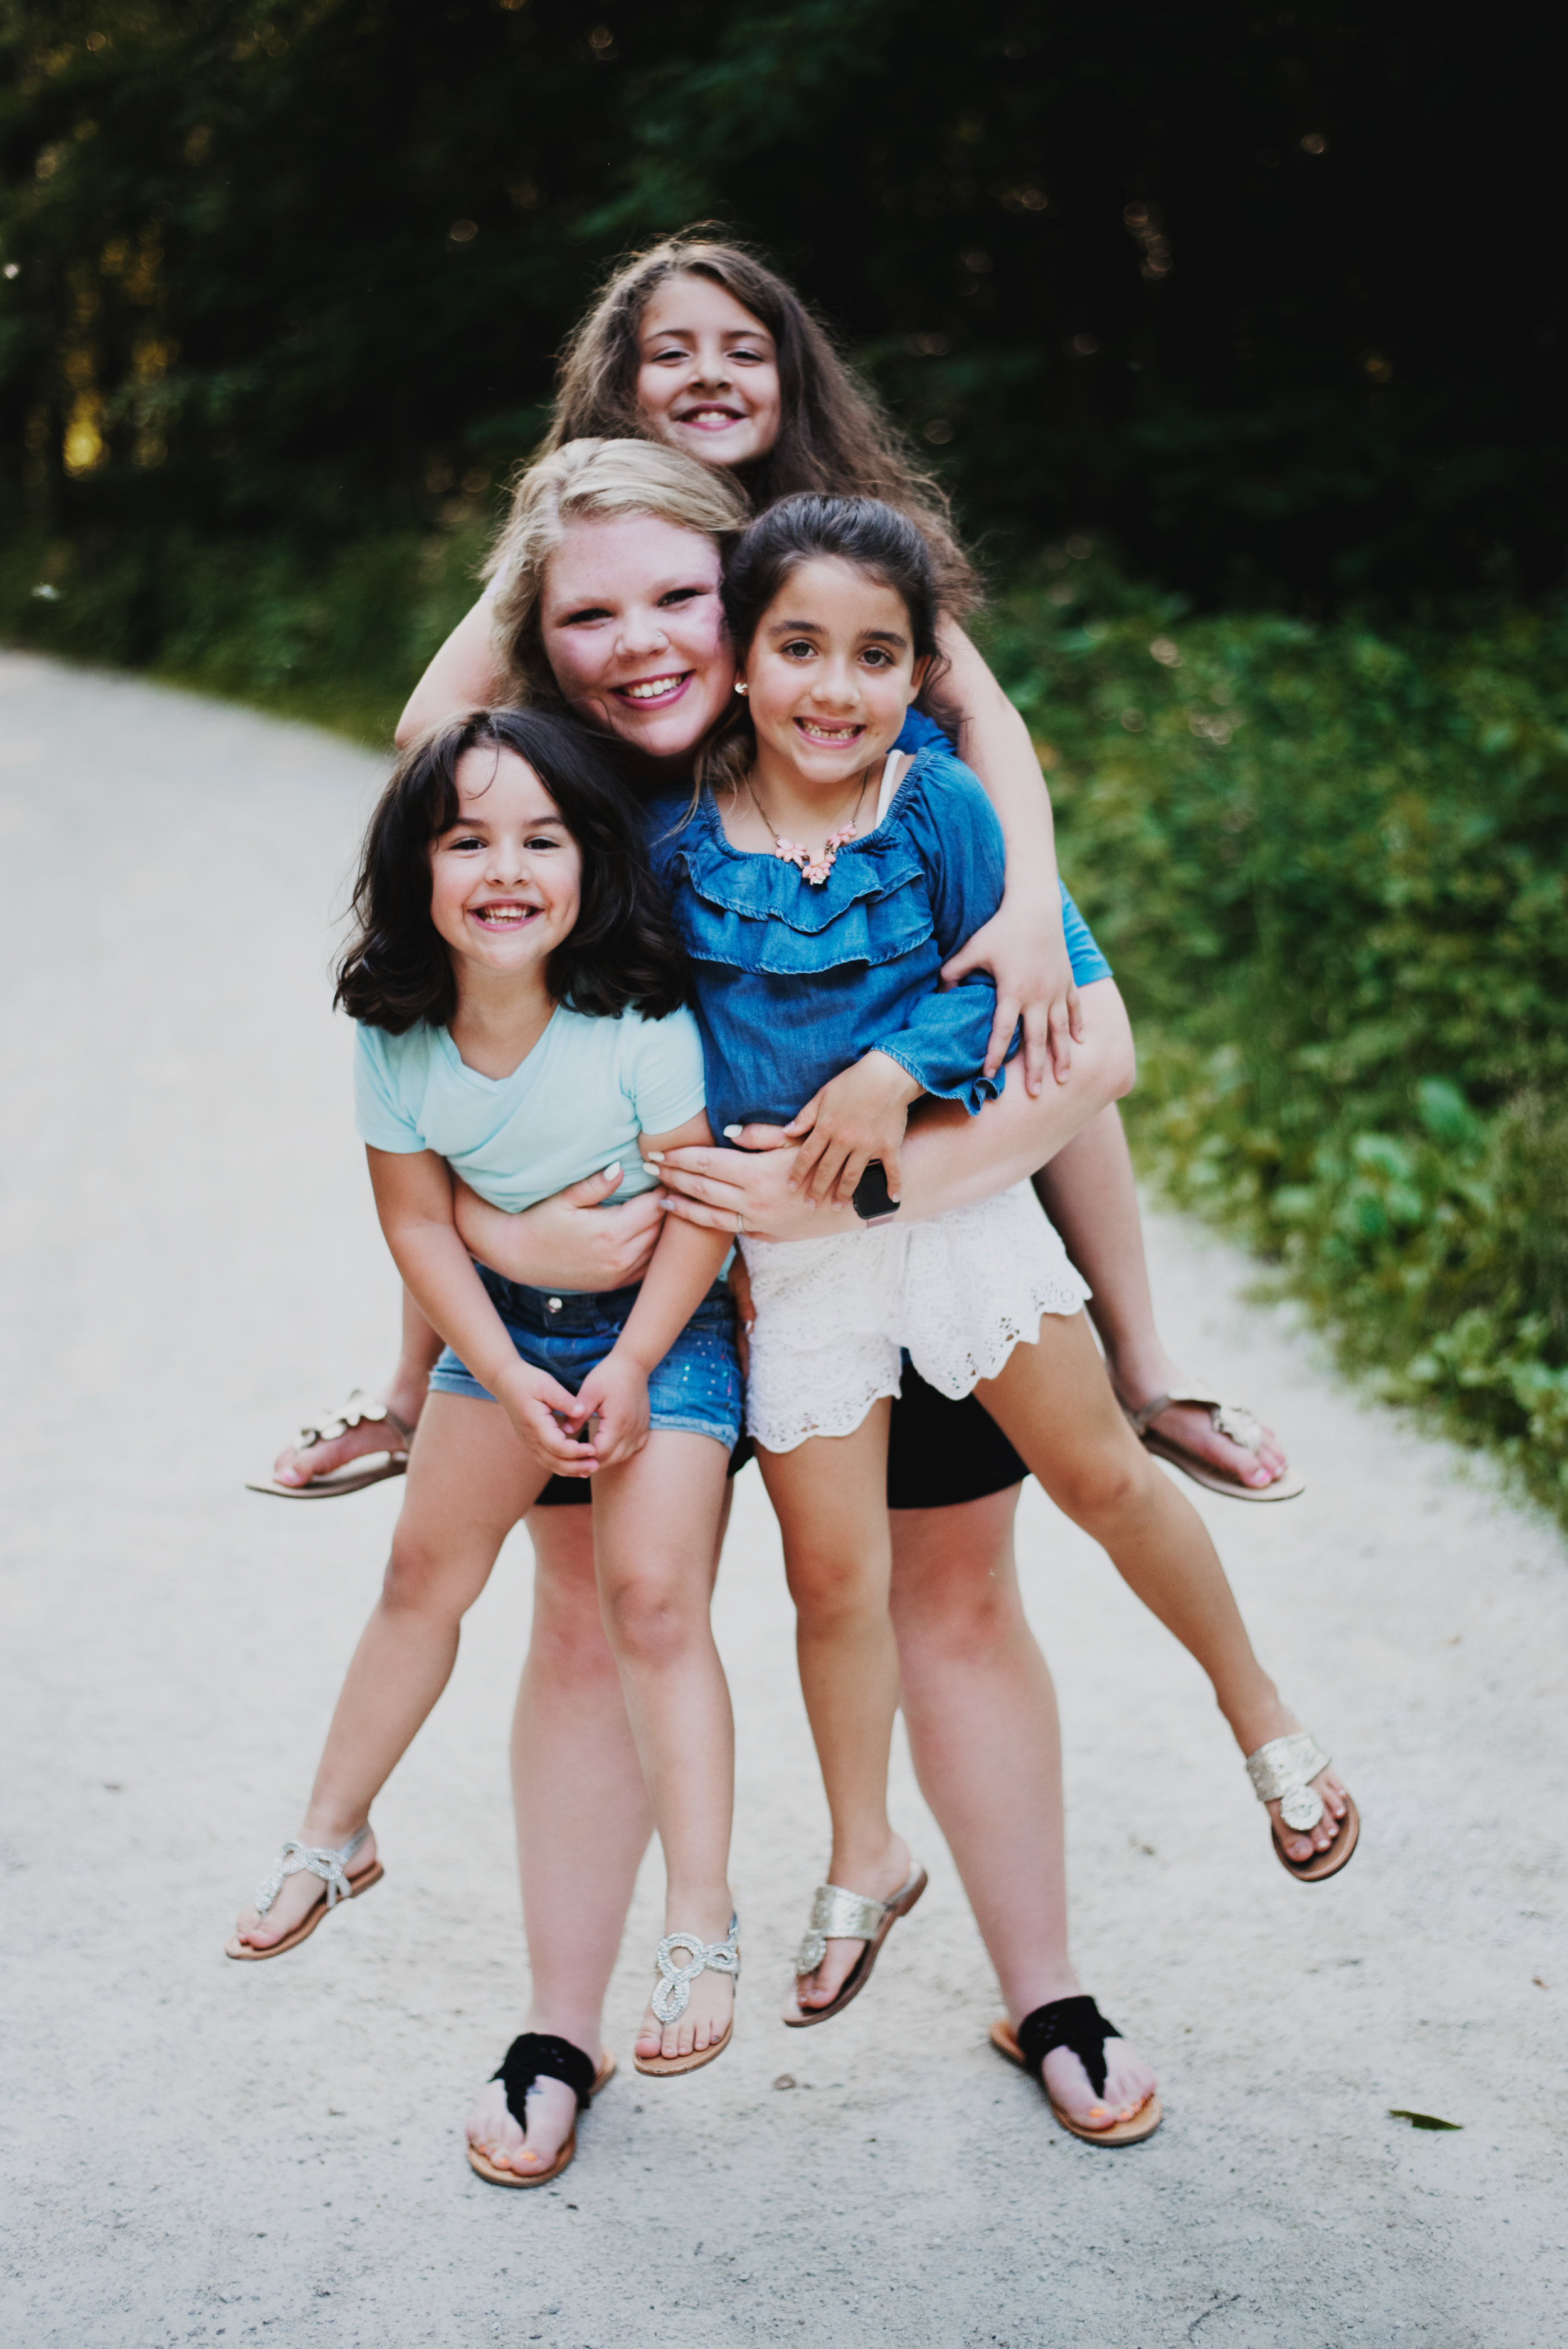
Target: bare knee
835, 1590
424, 1577
650, 1621
1101, 1485
956, 1620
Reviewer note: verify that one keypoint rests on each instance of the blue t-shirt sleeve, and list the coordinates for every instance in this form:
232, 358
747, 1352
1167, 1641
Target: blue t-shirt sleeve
380, 1117
1088, 963
955, 829
667, 1086
919, 732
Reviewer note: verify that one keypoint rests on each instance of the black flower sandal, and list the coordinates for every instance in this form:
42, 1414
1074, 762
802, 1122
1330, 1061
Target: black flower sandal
1077, 2024
540, 2055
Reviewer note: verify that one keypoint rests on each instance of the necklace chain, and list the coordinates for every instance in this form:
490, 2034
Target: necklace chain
814, 869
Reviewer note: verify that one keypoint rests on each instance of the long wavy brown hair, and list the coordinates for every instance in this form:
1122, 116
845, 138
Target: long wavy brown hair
833, 436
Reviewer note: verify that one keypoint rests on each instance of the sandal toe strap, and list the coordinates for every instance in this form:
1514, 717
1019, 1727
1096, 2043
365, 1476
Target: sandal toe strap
313, 1859
673, 1996
837, 1916
359, 1407
1076, 2023
542, 2055
1281, 1772
1232, 1419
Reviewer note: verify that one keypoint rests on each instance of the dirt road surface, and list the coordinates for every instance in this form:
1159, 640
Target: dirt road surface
196, 2152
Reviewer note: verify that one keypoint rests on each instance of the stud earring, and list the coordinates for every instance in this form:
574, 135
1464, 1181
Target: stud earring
740, 687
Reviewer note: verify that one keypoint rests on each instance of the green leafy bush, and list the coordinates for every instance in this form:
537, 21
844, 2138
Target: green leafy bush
1331, 868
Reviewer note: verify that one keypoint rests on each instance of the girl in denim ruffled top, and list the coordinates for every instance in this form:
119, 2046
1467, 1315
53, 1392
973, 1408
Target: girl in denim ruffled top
820, 881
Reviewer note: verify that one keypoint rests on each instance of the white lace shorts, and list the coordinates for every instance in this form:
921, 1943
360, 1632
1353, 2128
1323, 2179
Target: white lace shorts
835, 1316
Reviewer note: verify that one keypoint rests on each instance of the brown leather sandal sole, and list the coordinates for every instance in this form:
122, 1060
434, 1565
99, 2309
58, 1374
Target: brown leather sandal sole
1143, 2123
352, 1479
664, 2067
234, 1947
1323, 1864
486, 2168
901, 1904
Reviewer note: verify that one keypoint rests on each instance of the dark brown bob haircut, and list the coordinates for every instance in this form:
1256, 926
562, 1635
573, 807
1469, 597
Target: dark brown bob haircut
832, 434
624, 953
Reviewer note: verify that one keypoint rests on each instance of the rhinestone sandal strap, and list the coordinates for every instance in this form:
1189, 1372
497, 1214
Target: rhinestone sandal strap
1280, 1772
542, 2055
1076, 2023
314, 1859
837, 1916
673, 1996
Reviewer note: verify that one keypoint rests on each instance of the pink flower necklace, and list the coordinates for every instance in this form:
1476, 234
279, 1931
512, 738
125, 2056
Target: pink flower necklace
814, 869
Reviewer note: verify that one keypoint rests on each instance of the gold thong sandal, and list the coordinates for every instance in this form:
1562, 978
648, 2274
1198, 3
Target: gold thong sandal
673, 1996
332, 1866
1077, 2024
540, 2055
1281, 1772
1231, 1419
841, 1916
373, 1468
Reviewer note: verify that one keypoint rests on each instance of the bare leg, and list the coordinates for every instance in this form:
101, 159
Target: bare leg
982, 1719
470, 1480
830, 1497
1054, 1403
655, 1521
1089, 1192
404, 1394
583, 1826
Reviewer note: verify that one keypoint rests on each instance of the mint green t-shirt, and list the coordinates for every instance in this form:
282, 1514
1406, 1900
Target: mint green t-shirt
578, 1102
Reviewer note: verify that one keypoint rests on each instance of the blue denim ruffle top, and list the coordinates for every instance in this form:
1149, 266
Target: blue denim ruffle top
795, 983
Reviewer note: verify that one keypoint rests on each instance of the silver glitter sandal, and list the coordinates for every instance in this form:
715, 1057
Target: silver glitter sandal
1281, 1772
1230, 1419
302, 1859
373, 1468
673, 1996
841, 1916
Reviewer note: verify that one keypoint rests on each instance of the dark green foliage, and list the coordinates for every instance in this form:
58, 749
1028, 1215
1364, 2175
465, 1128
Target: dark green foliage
1255, 291
1331, 869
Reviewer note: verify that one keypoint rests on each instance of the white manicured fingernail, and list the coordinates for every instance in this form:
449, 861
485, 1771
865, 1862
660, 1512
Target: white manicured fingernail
653, 1157
605, 1172
733, 1133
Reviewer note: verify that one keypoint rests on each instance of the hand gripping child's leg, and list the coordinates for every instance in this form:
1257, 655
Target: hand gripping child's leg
654, 1520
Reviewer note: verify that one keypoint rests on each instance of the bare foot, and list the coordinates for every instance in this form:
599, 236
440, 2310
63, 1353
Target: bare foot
878, 1881
1300, 1843
1188, 1424
298, 1894
709, 2007
552, 2109
298, 1465
1129, 2084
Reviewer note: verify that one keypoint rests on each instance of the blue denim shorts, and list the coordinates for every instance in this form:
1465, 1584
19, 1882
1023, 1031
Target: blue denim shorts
695, 1389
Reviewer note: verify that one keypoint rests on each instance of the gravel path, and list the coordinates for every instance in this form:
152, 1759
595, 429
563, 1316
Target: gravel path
193, 2151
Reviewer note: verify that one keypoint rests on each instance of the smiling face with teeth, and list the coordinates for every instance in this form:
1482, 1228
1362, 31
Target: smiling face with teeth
631, 623
707, 374
506, 879
829, 676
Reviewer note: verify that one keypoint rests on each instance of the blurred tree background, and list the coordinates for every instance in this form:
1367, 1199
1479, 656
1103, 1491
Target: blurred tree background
1255, 308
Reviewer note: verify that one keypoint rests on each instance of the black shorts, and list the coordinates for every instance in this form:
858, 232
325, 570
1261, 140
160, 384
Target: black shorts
939, 1454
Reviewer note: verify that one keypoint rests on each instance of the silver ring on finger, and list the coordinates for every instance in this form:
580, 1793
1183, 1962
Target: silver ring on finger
739, 1223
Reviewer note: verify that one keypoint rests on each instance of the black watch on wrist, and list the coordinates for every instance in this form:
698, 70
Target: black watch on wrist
874, 1202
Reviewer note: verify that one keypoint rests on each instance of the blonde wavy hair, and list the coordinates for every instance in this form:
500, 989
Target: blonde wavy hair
598, 478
